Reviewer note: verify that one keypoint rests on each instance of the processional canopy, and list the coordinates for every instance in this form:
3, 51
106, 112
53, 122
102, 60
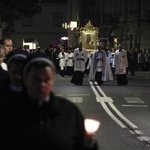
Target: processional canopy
89, 37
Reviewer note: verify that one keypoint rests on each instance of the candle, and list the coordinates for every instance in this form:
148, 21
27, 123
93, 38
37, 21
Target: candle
91, 126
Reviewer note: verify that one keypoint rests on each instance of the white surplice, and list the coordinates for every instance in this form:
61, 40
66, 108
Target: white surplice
120, 62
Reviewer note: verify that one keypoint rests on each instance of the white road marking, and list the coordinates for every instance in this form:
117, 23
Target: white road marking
135, 106
78, 94
144, 138
108, 99
75, 99
103, 100
112, 116
94, 90
106, 108
100, 99
131, 132
101, 91
58, 94
117, 111
134, 100
122, 116
95, 83
139, 132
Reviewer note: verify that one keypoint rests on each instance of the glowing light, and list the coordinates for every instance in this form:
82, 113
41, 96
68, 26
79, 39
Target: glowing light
73, 24
63, 25
115, 40
66, 25
91, 126
64, 38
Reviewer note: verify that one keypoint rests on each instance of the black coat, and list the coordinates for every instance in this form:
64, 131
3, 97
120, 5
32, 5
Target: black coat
56, 125
3, 75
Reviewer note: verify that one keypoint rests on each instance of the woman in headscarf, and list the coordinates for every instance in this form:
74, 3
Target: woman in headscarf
10, 90
16, 60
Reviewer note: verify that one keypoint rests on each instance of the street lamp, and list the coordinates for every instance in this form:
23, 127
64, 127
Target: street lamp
73, 24
72, 28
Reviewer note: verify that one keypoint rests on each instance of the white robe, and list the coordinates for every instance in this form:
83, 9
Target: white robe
106, 70
62, 60
120, 62
79, 65
70, 60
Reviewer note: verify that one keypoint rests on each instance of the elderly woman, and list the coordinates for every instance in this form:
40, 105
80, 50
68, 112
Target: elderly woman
44, 121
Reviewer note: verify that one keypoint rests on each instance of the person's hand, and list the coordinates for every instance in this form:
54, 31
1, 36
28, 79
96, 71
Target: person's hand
89, 140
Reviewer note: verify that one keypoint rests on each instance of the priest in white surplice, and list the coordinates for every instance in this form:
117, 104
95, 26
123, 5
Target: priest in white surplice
80, 58
63, 57
120, 64
70, 63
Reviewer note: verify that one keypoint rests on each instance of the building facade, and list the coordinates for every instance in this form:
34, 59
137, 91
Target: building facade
42, 28
118, 21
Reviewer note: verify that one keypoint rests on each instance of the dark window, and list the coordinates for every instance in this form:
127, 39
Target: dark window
27, 21
89, 2
57, 19
88, 11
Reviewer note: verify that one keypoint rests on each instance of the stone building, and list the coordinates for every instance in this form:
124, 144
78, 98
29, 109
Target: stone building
40, 29
119, 21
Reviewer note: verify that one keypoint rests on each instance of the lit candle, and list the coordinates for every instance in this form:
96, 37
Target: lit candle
91, 126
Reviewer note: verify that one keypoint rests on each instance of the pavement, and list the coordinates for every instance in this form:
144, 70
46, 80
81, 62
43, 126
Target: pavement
143, 74
123, 111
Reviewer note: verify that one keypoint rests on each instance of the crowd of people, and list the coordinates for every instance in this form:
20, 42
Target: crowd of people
66, 60
32, 117
66, 63
137, 60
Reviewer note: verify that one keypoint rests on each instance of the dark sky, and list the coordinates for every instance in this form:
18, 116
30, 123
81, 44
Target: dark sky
55, 1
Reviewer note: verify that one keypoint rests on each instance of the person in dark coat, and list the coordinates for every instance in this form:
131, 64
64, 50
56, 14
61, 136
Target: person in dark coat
42, 120
10, 90
3, 75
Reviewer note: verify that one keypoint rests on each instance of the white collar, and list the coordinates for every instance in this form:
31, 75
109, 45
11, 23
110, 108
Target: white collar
4, 66
42, 101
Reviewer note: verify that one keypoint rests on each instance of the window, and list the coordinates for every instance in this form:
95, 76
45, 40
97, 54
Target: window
89, 2
57, 19
27, 21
